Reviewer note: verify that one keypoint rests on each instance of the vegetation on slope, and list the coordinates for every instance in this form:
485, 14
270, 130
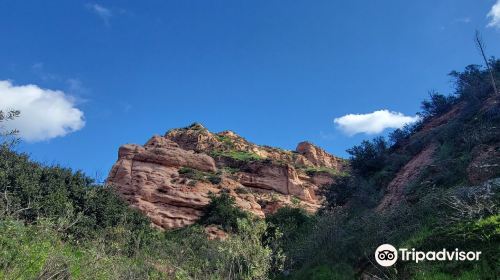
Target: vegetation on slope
236, 155
441, 209
54, 222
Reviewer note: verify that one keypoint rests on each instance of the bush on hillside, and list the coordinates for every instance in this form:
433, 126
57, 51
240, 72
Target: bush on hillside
436, 105
222, 211
197, 175
32, 191
338, 193
368, 157
285, 229
8, 138
53, 219
473, 83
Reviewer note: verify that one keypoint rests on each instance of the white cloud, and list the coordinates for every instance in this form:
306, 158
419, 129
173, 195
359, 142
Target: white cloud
104, 13
45, 113
372, 123
494, 15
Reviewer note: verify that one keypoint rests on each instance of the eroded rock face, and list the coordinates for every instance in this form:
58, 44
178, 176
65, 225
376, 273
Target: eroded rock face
171, 176
317, 156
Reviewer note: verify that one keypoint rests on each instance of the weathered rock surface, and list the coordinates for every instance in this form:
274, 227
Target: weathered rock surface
171, 176
317, 156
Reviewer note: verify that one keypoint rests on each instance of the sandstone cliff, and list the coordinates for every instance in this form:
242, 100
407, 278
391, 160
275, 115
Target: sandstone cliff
171, 176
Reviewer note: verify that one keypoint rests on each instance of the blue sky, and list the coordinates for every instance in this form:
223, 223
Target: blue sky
275, 72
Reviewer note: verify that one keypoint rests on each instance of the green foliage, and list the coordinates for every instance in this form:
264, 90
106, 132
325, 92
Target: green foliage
241, 190
8, 138
222, 211
338, 193
32, 191
434, 222
226, 141
311, 171
58, 223
475, 235
436, 105
237, 155
285, 229
369, 157
425, 219
295, 201
37, 252
198, 175
196, 126
473, 83
230, 170
28, 252
240, 256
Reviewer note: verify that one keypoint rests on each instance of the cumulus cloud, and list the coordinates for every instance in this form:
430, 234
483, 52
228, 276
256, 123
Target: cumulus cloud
372, 123
45, 113
494, 15
104, 13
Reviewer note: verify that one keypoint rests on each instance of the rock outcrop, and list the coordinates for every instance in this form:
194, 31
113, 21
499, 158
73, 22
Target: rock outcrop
171, 176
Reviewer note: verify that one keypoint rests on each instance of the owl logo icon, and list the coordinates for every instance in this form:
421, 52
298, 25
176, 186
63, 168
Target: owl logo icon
386, 255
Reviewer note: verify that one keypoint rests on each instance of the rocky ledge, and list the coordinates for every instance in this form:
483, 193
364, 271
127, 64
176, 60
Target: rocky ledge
171, 176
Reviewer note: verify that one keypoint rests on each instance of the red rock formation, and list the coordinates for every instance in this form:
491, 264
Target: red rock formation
317, 156
170, 177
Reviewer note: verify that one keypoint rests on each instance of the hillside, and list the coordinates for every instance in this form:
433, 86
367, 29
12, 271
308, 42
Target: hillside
431, 185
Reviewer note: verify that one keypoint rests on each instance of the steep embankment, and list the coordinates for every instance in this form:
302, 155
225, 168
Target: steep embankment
458, 146
171, 176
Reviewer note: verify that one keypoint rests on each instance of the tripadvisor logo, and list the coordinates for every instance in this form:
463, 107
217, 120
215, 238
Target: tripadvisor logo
387, 255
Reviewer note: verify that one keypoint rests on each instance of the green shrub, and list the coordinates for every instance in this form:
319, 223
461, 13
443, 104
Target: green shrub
239, 256
285, 229
226, 141
237, 155
222, 211
311, 171
37, 252
437, 104
338, 193
241, 190
196, 126
72, 200
72, 227
197, 175
369, 157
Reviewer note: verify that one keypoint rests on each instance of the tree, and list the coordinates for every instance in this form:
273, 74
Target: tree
222, 210
8, 137
369, 157
480, 45
436, 105
338, 193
